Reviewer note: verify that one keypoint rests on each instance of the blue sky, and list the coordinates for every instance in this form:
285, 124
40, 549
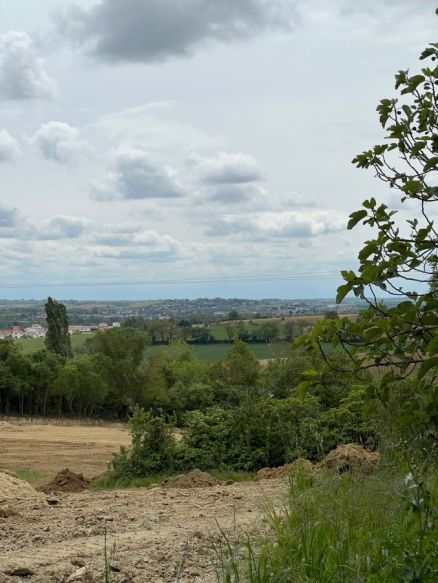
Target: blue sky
154, 141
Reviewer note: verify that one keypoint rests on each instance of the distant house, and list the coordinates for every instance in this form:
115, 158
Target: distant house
35, 331
14, 332
79, 330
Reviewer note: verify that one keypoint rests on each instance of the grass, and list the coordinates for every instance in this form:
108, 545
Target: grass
349, 528
29, 475
29, 345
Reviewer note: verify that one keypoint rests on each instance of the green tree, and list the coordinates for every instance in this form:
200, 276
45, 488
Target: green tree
398, 259
57, 336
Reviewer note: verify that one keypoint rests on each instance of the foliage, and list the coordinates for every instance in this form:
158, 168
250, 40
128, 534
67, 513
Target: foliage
57, 336
152, 451
343, 528
401, 256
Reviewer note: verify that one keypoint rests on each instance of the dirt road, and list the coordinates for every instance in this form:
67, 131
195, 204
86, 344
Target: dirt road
49, 448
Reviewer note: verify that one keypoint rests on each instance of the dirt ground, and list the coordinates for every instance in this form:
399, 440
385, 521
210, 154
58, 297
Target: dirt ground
48, 448
150, 533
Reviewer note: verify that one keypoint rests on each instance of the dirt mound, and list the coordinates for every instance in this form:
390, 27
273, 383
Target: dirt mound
15, 491
194, 479
5, 426
350, 457
67, 481
286, 470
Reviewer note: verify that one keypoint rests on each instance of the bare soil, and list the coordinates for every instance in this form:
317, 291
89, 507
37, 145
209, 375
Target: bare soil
49, 448
150, 533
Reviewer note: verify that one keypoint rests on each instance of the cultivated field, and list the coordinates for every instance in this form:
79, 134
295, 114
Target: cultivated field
150, 533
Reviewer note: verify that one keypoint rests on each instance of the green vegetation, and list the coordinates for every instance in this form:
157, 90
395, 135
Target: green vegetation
57, 337
29, 475
347, 528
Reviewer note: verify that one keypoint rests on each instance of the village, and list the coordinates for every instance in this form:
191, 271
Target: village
38, 331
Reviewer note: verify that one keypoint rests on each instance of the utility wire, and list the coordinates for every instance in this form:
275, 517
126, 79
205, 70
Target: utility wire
222, 279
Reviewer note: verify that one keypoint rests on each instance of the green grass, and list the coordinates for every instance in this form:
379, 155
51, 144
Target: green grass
216, 352
349, 528
29, 475
29, 345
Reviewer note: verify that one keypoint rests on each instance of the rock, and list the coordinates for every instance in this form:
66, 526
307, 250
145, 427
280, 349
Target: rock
79, 575
52, 501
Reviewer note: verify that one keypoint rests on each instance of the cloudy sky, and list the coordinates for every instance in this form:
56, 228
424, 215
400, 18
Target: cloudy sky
186, 148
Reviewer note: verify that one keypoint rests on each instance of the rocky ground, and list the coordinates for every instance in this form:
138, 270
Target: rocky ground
150, 533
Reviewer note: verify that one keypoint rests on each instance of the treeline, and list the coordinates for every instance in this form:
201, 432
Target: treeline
234, 414
169, 330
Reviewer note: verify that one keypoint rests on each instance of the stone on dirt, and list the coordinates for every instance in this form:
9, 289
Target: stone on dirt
7, 511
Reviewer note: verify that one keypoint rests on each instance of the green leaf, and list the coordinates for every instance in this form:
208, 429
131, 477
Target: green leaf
355, 218
303, 388
430, 164
342, 291
427, 365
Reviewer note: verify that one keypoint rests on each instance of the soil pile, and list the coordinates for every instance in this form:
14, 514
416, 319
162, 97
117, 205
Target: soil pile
350, 457
67, 481
17, 492
283, 471
194, 479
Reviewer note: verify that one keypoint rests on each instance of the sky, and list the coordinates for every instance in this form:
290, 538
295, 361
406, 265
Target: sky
191, 148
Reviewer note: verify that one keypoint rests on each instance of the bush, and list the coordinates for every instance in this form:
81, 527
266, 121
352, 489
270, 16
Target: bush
153, 448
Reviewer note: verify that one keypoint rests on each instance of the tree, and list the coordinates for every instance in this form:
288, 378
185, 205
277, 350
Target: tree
230, 331
57, 336
399, 258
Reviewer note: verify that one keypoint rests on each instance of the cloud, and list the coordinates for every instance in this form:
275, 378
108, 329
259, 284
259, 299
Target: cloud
237, 194
143, 244
60, 142
22, 73
9, 147
8, 216
134, 174
226, 168
274, 225
154, 30
63, 227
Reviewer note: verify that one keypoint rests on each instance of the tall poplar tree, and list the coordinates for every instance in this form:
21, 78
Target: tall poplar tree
57, 337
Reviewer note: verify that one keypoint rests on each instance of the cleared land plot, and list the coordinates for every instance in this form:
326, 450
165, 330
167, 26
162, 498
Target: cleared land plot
150, 530
48, 448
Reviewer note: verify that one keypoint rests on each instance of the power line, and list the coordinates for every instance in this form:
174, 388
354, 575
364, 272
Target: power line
327, 275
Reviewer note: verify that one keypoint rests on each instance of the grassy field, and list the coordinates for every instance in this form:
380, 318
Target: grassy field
206, 352
29, 345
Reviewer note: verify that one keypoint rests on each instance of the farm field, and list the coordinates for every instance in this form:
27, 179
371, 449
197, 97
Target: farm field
148, 532
207, 352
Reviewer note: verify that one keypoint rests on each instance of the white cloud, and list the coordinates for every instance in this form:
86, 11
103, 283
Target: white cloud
154, 30
22, 73
236, 194
8, 216
133, 174
60, 142
226, 168
9, 147
63, 227
273, 225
